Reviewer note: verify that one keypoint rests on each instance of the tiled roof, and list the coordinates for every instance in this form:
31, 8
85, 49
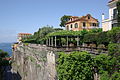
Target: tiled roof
74, 17
7, 58
80, 19
24, 34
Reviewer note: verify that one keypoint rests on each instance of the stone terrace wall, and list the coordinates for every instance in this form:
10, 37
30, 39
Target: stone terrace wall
34, 62
37, 62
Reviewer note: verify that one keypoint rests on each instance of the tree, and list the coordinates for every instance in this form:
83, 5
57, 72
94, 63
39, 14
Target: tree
90, 38
115, 76
95, 30
2, 56
63, 20
102, 38
114, 35
118, 16
39, 36
75, 66
114, 52
44, 31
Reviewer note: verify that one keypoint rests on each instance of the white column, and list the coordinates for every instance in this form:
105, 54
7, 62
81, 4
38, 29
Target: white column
110, 18
46, 42
103, 16
67, 41
49, 41
77, 41
52, 41
55, 41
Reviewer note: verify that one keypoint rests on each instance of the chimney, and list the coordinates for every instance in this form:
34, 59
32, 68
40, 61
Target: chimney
103, 16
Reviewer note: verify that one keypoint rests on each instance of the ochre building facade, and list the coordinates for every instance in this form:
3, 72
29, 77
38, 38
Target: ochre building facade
76, 23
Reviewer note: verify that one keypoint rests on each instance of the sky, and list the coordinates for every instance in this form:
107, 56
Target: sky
27, 16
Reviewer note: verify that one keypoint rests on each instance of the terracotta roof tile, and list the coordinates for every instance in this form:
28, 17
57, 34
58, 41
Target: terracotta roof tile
24, 34
81, 19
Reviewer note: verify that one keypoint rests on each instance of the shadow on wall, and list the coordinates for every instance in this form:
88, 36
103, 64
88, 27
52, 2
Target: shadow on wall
9, 75
16, 76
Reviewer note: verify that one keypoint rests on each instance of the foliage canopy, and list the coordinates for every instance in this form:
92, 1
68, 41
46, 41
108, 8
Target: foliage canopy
75, 66
63, 20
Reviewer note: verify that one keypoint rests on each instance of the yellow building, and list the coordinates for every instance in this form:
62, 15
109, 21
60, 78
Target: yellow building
79, 23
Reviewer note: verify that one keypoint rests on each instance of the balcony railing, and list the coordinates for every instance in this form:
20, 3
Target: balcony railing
91, 27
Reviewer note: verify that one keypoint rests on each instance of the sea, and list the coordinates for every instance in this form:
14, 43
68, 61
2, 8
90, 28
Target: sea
6, 47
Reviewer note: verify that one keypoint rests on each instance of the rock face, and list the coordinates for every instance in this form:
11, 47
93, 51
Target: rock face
34, 62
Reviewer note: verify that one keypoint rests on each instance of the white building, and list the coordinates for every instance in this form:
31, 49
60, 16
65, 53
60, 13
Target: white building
108, 24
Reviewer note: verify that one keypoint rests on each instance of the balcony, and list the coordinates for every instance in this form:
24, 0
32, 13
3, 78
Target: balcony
114, 17
91, 27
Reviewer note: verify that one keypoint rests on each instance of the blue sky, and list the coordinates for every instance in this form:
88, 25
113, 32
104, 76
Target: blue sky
29, 15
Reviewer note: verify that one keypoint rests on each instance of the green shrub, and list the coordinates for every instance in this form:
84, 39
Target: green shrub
102, 38
104, 76
75, 66
114, 35
90, 38
115, 76
114, 49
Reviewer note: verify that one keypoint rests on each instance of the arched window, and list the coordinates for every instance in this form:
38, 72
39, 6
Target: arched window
84, 24
88, 17
71, 26
76, 25
67, 27
94, 24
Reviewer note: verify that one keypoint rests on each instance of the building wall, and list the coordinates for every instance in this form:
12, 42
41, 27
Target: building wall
107, 25
23, 36
80, 24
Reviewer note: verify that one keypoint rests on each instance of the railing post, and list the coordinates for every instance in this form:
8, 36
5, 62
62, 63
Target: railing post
55, 41
49, 41
67, 42
52, 41
78, 41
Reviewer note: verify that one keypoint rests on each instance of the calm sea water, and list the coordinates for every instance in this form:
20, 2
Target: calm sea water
6, 47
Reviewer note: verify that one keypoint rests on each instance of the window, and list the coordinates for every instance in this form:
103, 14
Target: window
91, 24
84, 24
76, 25
67, 27
94, 24
114, 25
71, 26
88, 17
115, 14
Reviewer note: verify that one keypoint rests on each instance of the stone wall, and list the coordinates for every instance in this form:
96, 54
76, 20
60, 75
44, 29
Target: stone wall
34, 62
